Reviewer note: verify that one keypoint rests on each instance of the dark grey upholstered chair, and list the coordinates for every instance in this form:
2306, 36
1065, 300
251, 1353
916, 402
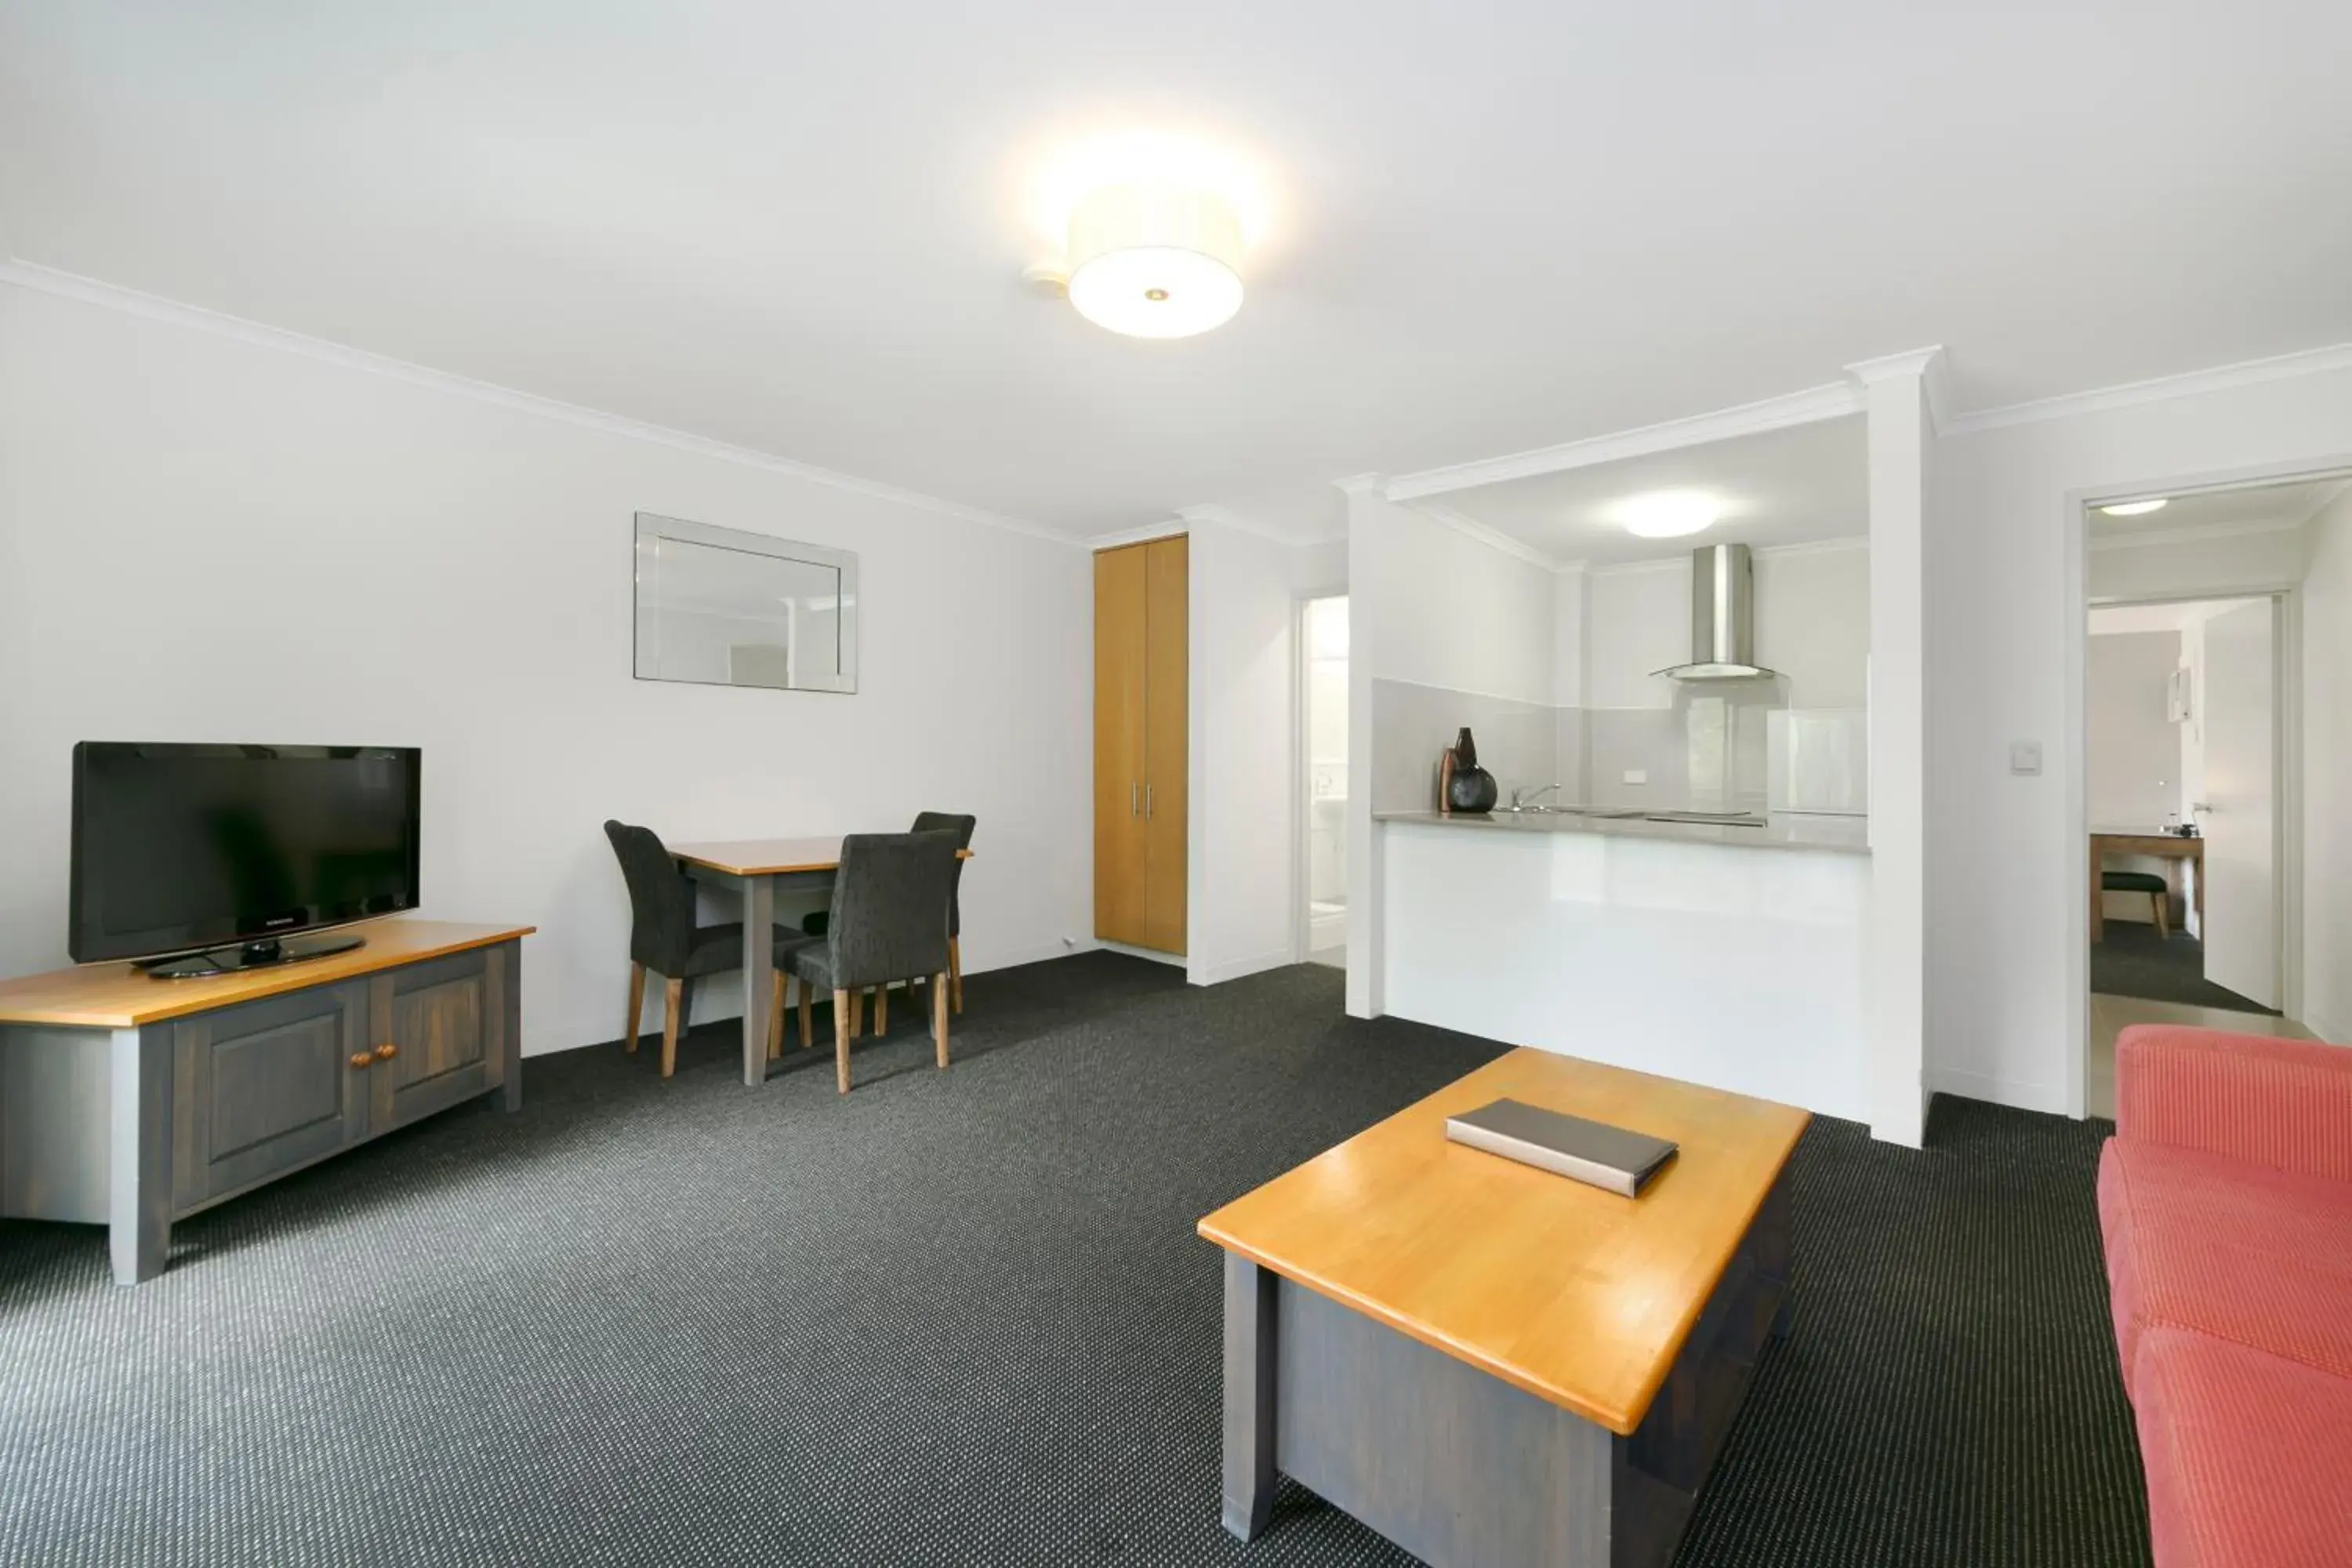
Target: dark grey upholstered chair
889, 922
816, 924
664, 938
961, 826
2158, 891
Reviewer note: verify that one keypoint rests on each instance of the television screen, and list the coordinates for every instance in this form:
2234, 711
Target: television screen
177, 848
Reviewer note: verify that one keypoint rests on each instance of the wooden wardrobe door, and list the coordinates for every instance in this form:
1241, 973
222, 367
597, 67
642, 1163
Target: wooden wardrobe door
1167, 663
1120, 698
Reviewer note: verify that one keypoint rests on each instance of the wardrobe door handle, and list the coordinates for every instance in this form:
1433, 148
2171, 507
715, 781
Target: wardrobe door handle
1147, 803
1134, 800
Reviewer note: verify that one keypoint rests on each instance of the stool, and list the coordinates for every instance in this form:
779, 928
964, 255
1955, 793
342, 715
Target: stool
2158, 891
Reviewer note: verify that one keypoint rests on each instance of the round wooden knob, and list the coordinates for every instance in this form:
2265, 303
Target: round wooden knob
362, 1059
386, 1051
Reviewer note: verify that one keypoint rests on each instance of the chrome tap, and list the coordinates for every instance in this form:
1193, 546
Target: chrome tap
1523, 799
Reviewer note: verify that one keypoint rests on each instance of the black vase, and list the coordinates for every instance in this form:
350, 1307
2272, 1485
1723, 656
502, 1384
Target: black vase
1472, 789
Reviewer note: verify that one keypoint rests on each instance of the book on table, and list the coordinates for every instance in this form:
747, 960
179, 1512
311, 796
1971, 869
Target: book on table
1616, 1159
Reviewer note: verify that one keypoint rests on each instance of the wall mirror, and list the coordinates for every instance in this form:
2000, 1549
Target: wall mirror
719, 606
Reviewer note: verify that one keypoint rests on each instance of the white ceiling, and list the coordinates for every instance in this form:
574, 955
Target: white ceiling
1481, 229
1785, 487
2250, 507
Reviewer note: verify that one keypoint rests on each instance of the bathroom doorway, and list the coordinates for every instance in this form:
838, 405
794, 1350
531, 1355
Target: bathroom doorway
1323, 773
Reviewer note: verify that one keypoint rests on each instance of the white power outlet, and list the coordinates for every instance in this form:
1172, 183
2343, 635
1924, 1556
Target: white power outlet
2025, 758
1637, 775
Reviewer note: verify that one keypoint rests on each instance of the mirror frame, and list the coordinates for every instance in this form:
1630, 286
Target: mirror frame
653, 528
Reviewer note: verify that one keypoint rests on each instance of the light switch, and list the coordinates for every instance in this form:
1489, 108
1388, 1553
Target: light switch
1637, 775
2025, 757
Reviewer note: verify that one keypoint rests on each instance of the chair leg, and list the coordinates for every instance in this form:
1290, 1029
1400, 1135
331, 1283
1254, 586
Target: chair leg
673, 1013
939, 1019
840, 1005
636, 1005
955, 969
783, 998
881, 1011
808, 1029
2157, 902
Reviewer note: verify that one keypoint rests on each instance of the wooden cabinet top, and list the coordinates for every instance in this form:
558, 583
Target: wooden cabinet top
118, 996
1576, 1295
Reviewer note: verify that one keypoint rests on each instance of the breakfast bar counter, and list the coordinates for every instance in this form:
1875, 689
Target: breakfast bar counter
1725, 955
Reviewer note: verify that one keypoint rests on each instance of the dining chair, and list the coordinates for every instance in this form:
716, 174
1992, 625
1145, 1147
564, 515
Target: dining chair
889, 922
664, 938
815, 924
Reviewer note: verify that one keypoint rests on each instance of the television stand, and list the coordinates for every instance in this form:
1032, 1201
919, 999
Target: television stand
131, 1105
250, 955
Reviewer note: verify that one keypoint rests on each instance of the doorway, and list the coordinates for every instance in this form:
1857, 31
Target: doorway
1323, 772
2194, 772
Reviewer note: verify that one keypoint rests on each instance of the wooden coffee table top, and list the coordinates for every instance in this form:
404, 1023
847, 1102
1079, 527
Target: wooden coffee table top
1576, 1295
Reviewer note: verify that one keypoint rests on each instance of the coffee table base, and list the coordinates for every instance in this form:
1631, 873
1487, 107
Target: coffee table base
1460, 1468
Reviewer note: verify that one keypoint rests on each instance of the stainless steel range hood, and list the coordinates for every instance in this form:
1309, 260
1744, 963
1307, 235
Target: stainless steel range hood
1723, 617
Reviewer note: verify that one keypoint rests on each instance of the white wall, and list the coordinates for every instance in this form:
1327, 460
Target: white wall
2129, 568
2133, 749
2328, 775
1812, 622
2006, 857
209, 539
1436, 607
1244, 901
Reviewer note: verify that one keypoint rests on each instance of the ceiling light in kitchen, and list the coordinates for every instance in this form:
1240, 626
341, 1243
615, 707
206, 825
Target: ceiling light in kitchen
1668, 514
2134, 508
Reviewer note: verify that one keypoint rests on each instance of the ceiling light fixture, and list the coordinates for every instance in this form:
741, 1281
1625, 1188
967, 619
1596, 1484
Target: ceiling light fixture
1668, 514
2135, 508
1154, 261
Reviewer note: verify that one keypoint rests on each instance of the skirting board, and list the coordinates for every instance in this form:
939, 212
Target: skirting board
1234, 969
2011, 1092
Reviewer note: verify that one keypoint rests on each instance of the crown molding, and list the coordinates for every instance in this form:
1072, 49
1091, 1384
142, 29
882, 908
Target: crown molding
1226, 517
1363, 485
1118, 538
1811, 547
1808, 408
1493, 538
2131, 394
1928, 366
154, 307
2193, 533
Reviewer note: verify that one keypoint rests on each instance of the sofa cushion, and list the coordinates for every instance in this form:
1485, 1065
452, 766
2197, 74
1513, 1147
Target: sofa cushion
2248, 1253
2249, 1456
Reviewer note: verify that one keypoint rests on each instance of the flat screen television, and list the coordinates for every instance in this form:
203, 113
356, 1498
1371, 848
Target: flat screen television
198, 859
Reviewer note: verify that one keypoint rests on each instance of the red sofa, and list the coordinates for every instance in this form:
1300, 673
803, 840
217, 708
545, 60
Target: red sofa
2225, 1197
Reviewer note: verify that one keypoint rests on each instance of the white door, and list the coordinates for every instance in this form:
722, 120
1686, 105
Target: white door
2238, 811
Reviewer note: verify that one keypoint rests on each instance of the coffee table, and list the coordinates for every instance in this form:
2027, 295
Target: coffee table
1491, 1364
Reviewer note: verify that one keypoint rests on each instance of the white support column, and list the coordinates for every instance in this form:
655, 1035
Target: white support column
1902, 440
1364, 849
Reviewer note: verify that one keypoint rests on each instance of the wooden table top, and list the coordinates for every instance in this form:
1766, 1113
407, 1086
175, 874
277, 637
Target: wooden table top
2147, 841
118, 996
768, 856
1573, 1294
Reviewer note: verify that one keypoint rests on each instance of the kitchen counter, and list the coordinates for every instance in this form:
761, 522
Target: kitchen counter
1839, 835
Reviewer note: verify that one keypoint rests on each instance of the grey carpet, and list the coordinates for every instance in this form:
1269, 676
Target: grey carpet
2131, 960
963, 1318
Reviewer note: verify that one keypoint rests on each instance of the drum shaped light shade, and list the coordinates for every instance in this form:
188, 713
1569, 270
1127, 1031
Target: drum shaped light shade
1155, 261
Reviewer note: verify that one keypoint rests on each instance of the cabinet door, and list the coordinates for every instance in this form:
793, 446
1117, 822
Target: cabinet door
439, 1029
261, 1088
1167, 701
1120, 644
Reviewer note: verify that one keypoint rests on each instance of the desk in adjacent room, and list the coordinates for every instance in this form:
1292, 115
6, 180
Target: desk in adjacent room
754, 868
1489, 1363
2176, 852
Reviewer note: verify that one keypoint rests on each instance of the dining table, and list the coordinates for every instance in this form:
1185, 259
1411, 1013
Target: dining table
2178, 852
755, 870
